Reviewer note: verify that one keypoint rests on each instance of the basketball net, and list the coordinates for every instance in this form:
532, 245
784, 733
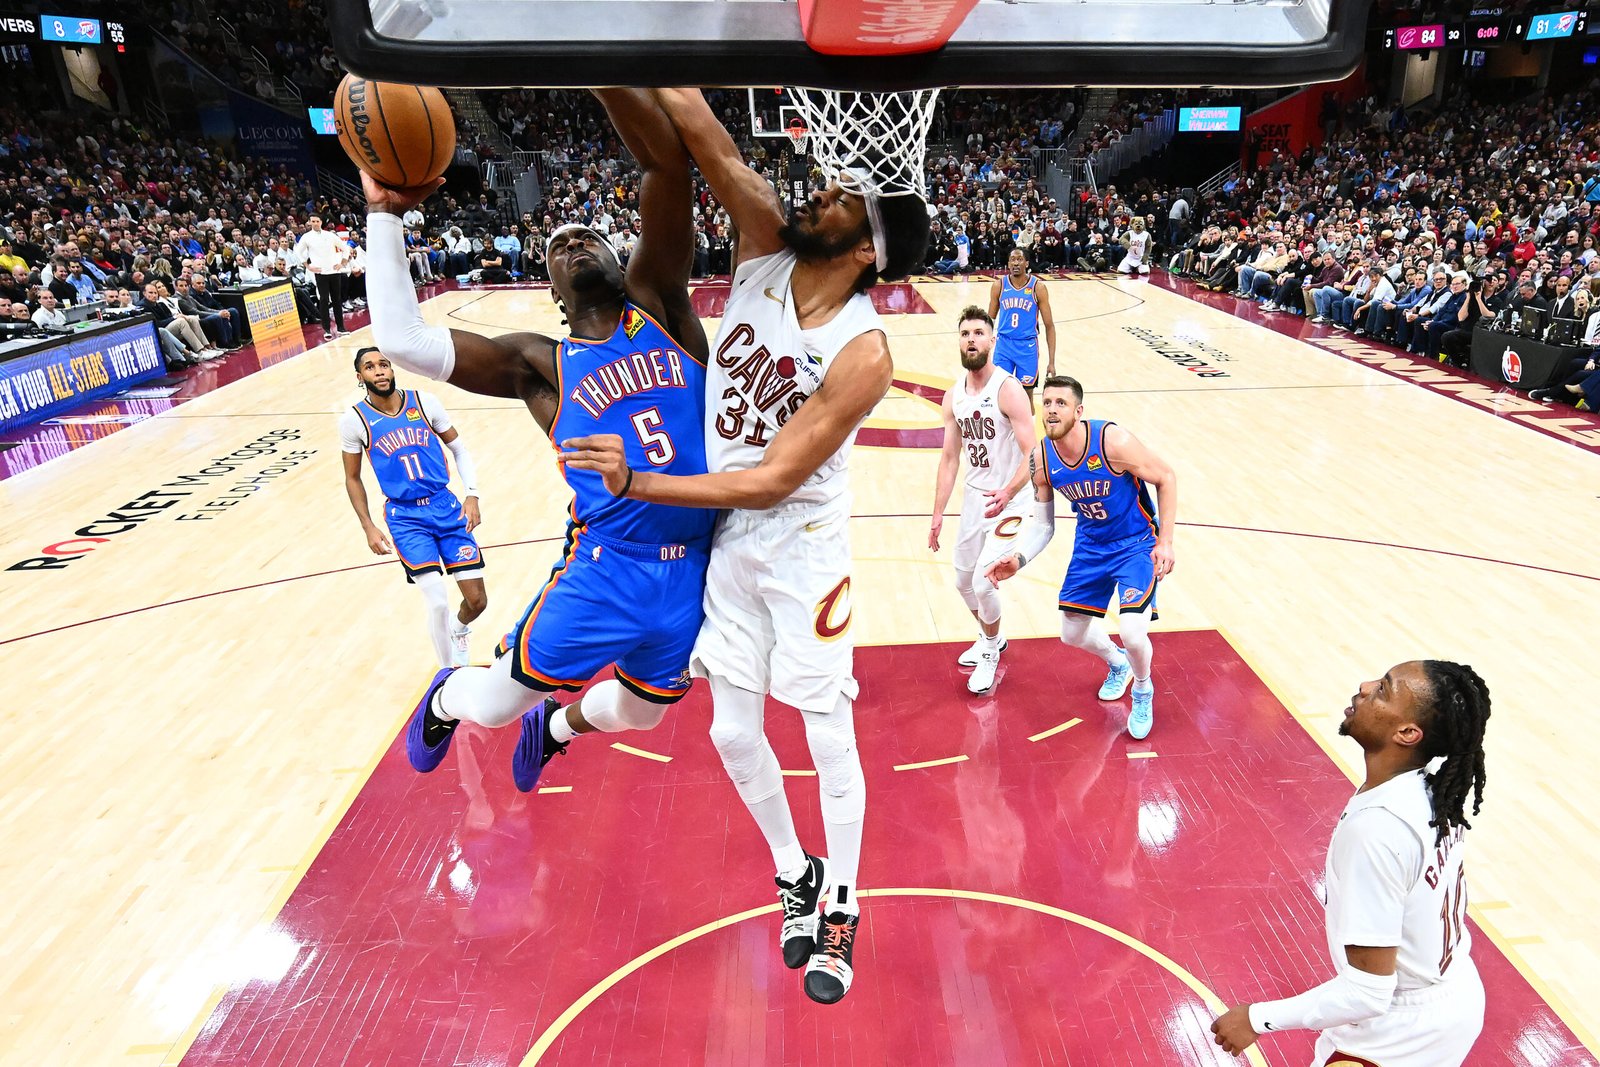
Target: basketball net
869, 142
799, 133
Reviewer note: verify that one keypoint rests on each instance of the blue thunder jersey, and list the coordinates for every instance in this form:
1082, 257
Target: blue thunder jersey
640, 384
406, 455
1018, 323
1111, 507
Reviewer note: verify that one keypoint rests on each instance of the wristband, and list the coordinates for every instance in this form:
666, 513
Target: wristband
626, 485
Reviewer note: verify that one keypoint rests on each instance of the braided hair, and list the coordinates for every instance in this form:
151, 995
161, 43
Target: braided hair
1454, 730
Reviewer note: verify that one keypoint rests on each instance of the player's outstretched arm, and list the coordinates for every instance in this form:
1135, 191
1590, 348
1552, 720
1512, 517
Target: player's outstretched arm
949, 466
1048, 321
1037, 528
858, 378
1125, 452
517, 365
750, 200
658, 270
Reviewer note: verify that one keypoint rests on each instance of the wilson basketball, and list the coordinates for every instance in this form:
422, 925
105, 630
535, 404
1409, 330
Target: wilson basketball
402, 135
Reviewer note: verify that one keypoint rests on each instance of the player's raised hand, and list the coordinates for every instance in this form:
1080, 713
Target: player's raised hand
1163, 557
933, 532
602, 452
396, 201
1003, 568
378, 541
1233, 1030
997, 500
469, 508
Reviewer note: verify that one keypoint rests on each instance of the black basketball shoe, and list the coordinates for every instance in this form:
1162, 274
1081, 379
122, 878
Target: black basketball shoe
829, 973
800, 918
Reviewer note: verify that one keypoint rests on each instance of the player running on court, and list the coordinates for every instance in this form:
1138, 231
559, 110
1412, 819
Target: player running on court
1123, 546
799, 362
1405, 991
404, 433
627, 589
1019, 303
986, 415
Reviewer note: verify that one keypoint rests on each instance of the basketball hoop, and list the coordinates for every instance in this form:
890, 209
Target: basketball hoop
875, 142
799, 133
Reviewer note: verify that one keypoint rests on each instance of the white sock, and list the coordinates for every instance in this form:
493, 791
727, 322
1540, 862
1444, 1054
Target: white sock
991, 644
1143, 685
560, 729
842, 898
790, 860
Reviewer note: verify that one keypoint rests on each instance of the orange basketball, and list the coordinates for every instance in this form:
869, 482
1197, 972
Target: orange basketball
402, 135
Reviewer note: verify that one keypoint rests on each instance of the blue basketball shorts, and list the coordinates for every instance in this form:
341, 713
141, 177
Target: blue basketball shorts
636, 606
430, 534
1100, 572
1019, 358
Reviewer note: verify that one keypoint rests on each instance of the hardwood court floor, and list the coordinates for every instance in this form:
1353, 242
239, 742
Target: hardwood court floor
199, 690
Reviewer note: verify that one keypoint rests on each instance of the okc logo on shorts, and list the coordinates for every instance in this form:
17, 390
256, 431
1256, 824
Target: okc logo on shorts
464, 552
683, 680
1132, 596
1510, 365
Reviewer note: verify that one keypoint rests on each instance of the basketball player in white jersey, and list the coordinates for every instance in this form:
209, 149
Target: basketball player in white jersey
986, 413
1406, 992
798, 363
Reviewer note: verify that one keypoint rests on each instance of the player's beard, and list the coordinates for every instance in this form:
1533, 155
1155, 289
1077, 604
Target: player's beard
801, 238
974, 360
386, 393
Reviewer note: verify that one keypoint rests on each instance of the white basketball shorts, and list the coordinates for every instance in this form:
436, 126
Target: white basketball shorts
981, 541
778, 605
1433, 1027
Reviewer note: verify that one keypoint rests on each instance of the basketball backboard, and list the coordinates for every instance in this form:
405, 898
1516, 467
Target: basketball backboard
551, 43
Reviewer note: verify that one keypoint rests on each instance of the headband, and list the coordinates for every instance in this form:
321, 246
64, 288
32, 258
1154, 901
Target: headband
559, 230
852, 184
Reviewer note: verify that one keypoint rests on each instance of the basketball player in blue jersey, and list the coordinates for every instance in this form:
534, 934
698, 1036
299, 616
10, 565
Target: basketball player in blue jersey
627, 590
1019, 303
1123, 546
404, 434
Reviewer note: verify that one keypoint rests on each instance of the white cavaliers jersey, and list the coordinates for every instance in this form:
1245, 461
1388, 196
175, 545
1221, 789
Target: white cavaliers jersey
993, 454
764, 366
1388, 884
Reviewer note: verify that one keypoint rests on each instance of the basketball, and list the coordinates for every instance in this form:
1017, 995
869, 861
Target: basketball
402, 135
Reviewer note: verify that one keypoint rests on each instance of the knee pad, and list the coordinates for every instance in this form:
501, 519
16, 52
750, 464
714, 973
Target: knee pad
831, 736
964, 587
637, 713
987, 599
740, 748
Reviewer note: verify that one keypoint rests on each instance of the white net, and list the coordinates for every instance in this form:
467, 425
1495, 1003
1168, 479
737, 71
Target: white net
875, 141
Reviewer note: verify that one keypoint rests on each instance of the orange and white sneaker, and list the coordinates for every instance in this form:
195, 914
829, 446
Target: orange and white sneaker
829, 973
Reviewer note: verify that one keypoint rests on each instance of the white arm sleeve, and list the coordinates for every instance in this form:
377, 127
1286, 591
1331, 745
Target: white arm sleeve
464, 464
1354, 996
1037, 529
352, 432
397, 324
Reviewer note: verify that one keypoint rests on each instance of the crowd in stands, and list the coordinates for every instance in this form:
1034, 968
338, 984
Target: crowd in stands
106, 210
1411, 230
1402, 228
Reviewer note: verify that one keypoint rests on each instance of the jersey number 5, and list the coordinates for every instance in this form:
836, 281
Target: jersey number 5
657, 443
